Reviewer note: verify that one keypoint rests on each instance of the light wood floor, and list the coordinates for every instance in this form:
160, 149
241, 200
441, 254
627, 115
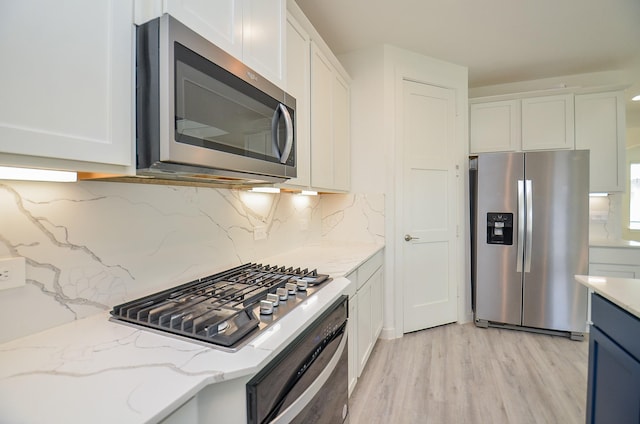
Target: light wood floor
464, 374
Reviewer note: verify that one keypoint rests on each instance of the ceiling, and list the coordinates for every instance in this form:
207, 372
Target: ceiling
500, 41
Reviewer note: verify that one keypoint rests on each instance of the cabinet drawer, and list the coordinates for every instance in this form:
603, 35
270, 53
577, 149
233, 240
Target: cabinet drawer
617, 323
366, 270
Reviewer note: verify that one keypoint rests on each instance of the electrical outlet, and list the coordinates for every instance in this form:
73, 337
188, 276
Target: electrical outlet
259, 233
12, 272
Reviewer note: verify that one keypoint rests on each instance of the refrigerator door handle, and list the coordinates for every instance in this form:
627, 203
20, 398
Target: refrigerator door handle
529, 235
521, 224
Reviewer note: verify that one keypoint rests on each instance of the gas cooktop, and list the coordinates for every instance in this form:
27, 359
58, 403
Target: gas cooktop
227, 309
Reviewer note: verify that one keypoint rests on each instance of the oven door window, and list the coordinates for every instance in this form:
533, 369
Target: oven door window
215, 109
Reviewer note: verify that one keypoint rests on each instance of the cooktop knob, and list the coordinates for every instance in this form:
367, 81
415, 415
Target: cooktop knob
282, 293
266, 307
301, 284
273, 298
291, 288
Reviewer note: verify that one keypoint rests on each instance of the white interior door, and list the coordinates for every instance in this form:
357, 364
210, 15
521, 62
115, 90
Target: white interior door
429, 206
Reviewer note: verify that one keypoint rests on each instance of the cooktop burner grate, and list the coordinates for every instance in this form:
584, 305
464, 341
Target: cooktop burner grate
221, 308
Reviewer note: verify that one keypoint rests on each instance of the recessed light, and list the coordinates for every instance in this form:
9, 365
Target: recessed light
29, 174
265, 190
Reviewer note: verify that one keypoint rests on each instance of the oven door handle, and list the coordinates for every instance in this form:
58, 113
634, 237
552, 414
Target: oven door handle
305, 398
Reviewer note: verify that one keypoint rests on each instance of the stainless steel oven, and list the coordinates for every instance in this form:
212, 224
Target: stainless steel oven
203, 114
307, 382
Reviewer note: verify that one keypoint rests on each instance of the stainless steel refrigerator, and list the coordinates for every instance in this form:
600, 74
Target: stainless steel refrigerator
530, 236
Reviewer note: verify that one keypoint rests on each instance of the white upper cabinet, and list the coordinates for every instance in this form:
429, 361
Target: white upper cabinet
253, 31
600, 128
547, 122
494, 126
264, 38
219, 21
587, 119
341, 134
298, 76
320, 85
321, 113
521, 124
67, 84
330, 130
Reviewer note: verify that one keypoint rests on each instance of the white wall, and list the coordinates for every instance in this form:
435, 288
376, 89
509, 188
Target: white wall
375, 73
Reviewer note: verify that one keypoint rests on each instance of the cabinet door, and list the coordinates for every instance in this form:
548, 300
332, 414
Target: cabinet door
494, 126
613, 270
219, 21
67, 81
263, 38
547, 123
341, 128
322, 166
330, 130
353, 342
376, 304
365, 330
613, 393
600, 128
298, 75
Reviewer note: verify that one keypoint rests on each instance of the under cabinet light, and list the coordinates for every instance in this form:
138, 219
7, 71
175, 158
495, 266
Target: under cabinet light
29, 174
598, 194
265, 190
636, 98
309, 193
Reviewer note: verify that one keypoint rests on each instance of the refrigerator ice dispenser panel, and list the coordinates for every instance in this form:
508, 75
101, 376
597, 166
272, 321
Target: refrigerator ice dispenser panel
500, 228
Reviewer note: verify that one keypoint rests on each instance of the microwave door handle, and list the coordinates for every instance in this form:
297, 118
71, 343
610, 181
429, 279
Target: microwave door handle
284, 154
275, 148
289, 141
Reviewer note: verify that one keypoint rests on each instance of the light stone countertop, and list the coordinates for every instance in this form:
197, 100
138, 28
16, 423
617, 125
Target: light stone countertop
97, 371
615, 243
624, 292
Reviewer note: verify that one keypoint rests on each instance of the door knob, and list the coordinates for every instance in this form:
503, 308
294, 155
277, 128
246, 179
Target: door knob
407, 237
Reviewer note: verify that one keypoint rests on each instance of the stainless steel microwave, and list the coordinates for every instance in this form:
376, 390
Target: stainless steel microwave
201, 114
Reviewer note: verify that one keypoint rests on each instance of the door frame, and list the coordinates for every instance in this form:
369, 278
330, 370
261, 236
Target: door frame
424, 70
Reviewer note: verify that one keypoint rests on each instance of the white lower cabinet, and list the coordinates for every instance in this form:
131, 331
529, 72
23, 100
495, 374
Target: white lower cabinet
67, 85
365, 327
377, 303
623, 262
365, 314
620, 262
353, 341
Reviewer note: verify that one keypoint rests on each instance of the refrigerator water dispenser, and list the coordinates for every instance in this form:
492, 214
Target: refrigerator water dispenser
500, 228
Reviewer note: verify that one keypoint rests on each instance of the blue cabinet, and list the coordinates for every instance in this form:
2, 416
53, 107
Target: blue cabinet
613, 394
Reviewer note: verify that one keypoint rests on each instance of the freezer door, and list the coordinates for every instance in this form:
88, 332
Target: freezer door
559, 239
498, 283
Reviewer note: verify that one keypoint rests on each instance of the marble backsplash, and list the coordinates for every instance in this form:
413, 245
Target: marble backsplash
91, 245
604, 217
